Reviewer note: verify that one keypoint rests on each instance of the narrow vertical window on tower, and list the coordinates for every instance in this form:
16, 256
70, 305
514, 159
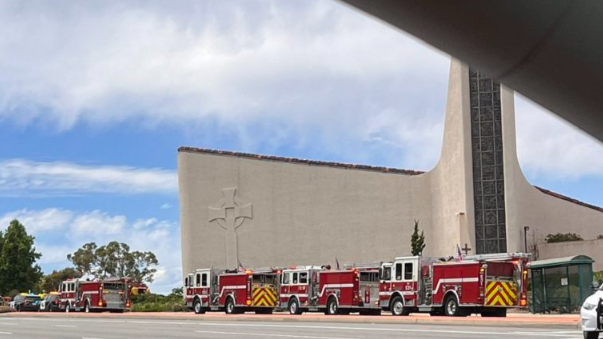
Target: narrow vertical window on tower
488, 172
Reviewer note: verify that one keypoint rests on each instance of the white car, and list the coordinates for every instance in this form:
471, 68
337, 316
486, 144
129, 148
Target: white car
590, 314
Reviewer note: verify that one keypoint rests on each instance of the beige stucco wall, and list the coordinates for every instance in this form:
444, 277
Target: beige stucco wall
311, 214
302, 214
591, 248
528, 206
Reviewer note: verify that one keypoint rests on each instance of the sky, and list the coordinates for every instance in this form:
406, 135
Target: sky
97, 96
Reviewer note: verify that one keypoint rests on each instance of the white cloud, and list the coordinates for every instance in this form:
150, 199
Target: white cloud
97, 222
551, 148
311, 75
316, 70
23, 177
50, 219
142, 223
166, 206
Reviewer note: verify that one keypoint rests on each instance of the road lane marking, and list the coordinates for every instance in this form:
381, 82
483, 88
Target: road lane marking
8, 324
543, 333
536, 333
70, 326
272, 335
7, 333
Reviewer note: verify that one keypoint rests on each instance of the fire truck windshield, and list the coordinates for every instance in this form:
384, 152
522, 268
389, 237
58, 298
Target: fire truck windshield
386, 273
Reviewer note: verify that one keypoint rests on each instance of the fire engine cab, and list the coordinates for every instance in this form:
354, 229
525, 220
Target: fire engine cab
312, 288
96, 295
232, 291
486, 284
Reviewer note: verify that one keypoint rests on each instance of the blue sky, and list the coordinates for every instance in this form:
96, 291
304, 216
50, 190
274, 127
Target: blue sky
96, 97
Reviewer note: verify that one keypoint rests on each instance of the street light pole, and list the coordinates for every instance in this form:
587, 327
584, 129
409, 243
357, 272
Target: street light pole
525, 237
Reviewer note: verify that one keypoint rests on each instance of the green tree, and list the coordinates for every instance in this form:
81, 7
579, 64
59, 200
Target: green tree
562, 237
52, 281
114, 260
417, 241
18, 256
84, 259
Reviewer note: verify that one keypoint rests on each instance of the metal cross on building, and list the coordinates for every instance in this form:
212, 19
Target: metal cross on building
466, 249
230, 213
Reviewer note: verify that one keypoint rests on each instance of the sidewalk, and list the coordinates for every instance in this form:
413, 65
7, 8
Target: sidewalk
513, 319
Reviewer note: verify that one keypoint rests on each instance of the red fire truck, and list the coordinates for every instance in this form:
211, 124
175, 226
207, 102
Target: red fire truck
96, 295
486, 284
232, 291
331, 291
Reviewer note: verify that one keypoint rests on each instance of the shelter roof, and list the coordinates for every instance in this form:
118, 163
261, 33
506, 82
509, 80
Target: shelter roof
565, 261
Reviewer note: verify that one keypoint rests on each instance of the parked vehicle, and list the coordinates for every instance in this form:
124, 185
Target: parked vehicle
51, 302
591, 314
96, 295
232, 291
331, 291
486, 284
26, 302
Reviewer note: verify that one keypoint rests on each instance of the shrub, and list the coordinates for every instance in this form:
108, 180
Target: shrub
158, 303
562, 237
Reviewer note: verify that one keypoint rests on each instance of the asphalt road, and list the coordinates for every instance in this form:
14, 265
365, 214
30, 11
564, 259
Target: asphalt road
102, 328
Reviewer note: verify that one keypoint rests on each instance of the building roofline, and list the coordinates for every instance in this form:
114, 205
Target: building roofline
300, 161
572, 200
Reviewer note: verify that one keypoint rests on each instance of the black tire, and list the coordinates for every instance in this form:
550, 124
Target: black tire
230, 308
293, 307
332, 307
591, 335
451, 307
197, 307
396, 306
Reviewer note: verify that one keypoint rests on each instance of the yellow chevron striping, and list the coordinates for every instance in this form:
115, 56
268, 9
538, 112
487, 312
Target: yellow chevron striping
264, 298
509, 287
271, 293
498, 293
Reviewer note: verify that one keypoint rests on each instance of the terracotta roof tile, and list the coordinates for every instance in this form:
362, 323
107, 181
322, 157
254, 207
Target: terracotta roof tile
300, 161
572, 200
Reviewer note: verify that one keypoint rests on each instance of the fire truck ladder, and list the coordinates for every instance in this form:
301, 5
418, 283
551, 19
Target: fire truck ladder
362, 265
497, 256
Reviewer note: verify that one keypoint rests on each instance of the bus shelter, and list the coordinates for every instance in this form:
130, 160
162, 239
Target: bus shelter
561, 284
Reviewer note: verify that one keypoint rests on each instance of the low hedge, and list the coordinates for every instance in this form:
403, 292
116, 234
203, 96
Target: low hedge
158, 303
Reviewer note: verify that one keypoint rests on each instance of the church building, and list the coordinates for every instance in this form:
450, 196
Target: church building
264, 211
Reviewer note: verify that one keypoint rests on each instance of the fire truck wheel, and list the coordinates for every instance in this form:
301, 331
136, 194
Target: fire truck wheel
294, 307
67, 308
230, 306
451, 306
591, 335
397, 307
87, 307
332, 307
197, 307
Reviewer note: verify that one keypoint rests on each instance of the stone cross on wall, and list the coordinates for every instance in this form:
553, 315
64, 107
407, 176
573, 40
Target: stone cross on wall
230, 213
